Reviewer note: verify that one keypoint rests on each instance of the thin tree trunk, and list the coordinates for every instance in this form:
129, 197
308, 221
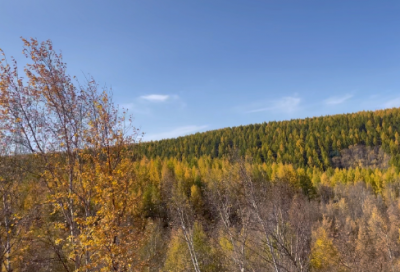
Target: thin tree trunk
189, 240
7, 226
249, 193
72, 216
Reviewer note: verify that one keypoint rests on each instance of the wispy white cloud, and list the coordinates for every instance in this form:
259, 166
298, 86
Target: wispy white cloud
147, 104
335, 100
392, 103
180, 131
155, 97
285, 104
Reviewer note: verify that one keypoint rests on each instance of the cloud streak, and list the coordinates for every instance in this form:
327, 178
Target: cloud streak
336, 100
393, 103
155, 97
180, 131
147, 104
285, 104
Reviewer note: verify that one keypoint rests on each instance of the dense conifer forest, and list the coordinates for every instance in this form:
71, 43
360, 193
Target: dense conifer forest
303, 142
80, 193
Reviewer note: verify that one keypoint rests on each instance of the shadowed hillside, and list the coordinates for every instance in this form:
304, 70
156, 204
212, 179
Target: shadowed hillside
361, 156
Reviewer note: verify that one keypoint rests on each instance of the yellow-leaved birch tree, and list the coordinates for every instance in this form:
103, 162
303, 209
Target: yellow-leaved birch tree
82, 143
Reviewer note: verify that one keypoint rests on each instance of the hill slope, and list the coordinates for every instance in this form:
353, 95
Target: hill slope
302, 142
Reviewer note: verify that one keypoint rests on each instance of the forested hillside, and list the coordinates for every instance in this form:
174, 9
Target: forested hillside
79, 193
303, 142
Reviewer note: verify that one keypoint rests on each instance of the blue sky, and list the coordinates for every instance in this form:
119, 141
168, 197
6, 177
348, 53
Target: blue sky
183, 66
